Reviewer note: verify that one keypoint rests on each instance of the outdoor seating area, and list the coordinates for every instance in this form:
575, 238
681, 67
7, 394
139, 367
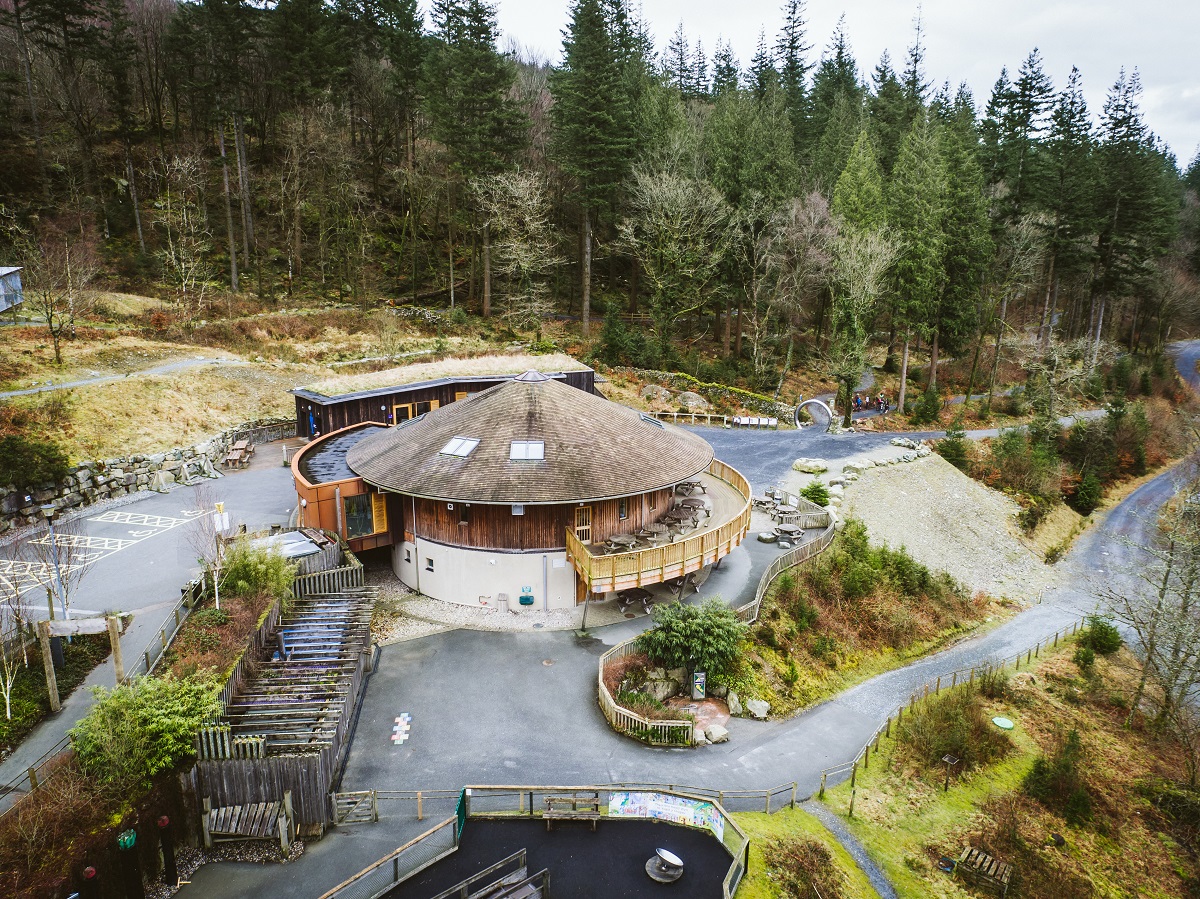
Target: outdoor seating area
790, 514
239, 455
688, 514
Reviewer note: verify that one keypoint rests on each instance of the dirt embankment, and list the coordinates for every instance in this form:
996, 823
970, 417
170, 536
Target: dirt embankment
950, 522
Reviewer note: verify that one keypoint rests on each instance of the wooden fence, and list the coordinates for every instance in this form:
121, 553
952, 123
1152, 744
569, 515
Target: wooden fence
334, 580
621, 571
695, 418
790, 559
400, 864
949, 681
674, 732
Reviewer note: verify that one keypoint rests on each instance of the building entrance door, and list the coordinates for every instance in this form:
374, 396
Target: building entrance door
583, 523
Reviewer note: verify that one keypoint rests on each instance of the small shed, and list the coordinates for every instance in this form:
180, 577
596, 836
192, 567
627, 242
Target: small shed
11, 294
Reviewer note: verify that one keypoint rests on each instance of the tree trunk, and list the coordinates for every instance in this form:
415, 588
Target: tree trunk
27, 70
633, 288
233, 269
996, 356
1099, 331
585, 311
243, 173
903, 377
1044, 330
737, 331
133, 197
728, 332
933, 362
487, 270
974, 370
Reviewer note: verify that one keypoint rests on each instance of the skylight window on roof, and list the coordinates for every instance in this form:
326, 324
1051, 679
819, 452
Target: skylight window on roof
651, 421
528, 449
460, 446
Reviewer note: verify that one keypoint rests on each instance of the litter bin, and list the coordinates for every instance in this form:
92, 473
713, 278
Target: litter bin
526, 599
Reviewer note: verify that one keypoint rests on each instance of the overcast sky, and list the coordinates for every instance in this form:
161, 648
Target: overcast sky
966, 40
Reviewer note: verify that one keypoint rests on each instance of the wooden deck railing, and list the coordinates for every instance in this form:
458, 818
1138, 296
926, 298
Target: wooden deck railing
673, 732
602, 574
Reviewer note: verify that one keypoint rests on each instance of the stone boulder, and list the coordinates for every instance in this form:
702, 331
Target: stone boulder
905, 442
758, 708
699, 737
811, 466
656, 394
662, 690
735, 705
715, 733
694, 402
720, 691
679, 674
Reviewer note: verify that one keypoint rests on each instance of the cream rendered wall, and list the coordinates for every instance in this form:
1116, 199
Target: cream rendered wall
463, 575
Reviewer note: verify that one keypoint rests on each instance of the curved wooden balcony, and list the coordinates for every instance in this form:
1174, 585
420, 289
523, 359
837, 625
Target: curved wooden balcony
715, 539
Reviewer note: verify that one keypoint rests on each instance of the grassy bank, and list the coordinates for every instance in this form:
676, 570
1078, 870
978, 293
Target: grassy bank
1102, 799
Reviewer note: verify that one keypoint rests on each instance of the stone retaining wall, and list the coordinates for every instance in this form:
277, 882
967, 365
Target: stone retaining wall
92, 482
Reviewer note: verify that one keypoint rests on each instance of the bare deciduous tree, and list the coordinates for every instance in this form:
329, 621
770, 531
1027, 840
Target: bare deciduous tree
58, 269
186, 237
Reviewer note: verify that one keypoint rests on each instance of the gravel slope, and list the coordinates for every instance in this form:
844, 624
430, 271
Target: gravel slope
949, 522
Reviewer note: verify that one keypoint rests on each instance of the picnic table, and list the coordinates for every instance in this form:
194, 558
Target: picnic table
786, 529
690, 487
245, 447
621, 542
233, 459
784, 510
626, 598
680, 515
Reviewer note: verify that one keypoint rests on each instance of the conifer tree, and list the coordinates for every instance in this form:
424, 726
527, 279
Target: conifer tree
592, 124
858, 196
915, 215
885, 112
791, 49
725, 69
764, 77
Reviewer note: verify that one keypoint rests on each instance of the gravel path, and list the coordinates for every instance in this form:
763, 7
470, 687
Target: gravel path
835, 826
949, 522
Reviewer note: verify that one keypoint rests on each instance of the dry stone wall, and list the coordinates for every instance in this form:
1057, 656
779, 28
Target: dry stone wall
95, 481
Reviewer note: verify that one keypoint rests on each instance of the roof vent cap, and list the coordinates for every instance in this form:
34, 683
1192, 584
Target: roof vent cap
531, 376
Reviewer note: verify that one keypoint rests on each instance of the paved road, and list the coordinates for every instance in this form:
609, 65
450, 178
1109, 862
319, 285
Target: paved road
168, 368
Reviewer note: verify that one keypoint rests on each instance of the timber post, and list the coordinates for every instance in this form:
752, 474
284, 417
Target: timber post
48, 664
114, 639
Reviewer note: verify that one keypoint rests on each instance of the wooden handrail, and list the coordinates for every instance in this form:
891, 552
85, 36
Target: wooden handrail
654, 565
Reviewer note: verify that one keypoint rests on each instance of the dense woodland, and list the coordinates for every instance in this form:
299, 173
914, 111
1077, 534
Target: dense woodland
791, 209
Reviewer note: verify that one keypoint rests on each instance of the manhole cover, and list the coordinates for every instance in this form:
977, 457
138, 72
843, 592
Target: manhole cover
630, 615
547, 662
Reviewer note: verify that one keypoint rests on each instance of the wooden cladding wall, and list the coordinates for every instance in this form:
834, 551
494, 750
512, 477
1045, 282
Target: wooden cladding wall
541, 527
334, 413
321, 511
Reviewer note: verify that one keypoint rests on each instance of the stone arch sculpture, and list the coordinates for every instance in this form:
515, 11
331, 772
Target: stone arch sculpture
820, 409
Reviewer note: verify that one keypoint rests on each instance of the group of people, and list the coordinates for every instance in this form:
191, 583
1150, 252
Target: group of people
879, 402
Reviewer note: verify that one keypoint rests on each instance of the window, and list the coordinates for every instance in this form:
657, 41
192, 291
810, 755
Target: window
464, 513
651, 421
460, 446
366, 514
408, 557
654, 500
518, 509
622, 508
527, 449
429, 564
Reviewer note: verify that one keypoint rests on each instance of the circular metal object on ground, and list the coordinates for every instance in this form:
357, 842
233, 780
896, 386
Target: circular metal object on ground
1002, 723
664, 866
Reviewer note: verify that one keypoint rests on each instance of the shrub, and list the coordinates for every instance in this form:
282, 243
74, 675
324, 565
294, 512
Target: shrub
256, 571
1055, 782
139, 729
816, 492
1087, 495
992, 682
953, 723
802, 868
953, 447
704, 638
927, 408
1085, 658
1101, 635
27, 461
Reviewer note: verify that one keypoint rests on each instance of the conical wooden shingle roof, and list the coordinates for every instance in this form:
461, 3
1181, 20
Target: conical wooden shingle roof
594, 449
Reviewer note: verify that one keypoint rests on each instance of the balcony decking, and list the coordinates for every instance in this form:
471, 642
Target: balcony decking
719, 533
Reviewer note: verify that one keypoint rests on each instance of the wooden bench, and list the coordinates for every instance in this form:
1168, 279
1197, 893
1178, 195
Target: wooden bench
981, 870
252, 821
572, 808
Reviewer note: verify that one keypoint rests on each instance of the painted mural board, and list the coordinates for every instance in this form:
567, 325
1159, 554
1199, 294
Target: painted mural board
665, 807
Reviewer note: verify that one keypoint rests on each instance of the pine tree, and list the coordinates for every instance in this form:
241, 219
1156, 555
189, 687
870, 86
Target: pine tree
913, 82
1021, 129
1069, 199
837, 76
677, 62
885, 112
725, 69
842, 128
791, 49
699, 87
764, 77
858, 196
592, 123
966, 242
915, 216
